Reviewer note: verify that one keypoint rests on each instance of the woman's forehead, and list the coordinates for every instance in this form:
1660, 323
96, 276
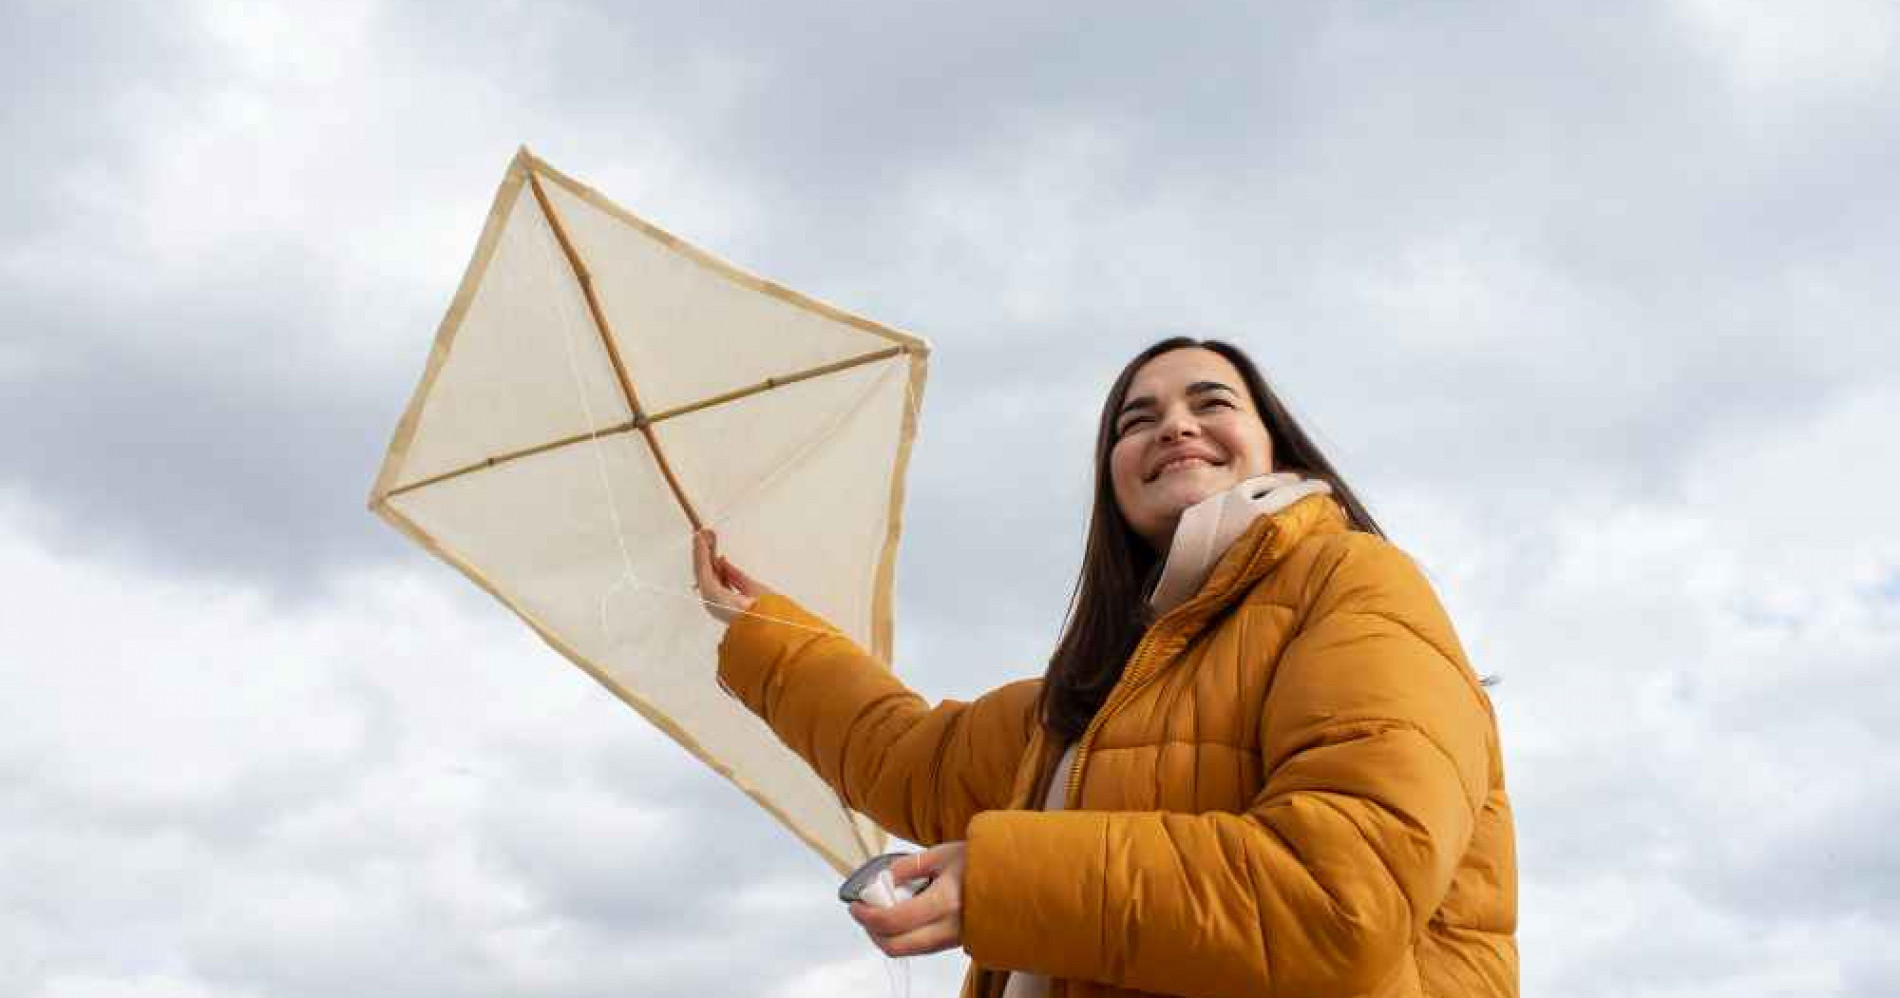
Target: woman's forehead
1174, 371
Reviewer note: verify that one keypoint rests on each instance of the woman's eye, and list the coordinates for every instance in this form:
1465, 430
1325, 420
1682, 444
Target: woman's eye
1210, 403
1132, 423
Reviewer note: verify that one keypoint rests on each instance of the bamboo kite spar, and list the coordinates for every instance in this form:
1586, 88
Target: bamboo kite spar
599, 390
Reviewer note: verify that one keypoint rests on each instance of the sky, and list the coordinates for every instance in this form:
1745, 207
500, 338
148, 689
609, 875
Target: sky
1593, 304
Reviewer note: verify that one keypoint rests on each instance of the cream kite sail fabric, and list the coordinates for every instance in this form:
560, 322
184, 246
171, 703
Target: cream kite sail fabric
598, 390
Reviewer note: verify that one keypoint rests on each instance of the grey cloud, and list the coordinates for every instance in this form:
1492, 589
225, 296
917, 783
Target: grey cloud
1509, 259
251, 455
598, 863
1295, 158
64, 70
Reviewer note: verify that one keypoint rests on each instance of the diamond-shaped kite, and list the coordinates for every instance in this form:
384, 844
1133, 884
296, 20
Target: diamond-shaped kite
598, 390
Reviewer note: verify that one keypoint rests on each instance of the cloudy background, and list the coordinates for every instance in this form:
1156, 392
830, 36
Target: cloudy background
1594, 303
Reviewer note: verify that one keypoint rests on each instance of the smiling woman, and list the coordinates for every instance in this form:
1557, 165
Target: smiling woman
1182, 436
1258, 763
1234, 415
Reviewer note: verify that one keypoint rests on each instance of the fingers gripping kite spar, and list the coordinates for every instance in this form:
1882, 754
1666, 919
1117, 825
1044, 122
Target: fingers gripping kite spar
601, 390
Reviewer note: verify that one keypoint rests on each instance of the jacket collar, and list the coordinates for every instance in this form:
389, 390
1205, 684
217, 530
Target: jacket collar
1248, 560
1208, 528
1255, 553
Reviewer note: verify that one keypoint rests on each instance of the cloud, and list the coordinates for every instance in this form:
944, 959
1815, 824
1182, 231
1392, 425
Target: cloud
236, 796
1594, 307
1824, 47
206, 316
1587, 268
1706, 734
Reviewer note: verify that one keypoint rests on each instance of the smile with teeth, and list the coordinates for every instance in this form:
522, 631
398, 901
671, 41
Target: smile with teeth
1180, 463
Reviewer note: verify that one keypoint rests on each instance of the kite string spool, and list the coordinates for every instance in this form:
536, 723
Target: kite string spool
897, 972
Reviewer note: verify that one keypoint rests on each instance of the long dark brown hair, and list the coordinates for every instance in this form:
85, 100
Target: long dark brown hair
1107, 611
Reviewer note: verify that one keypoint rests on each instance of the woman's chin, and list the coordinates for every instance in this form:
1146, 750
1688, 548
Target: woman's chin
1168, 499
1191, 491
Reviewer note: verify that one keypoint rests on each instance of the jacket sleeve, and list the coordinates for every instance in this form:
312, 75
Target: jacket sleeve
1376, 743
919, 772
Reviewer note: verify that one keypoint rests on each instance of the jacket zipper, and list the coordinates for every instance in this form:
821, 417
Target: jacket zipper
1134, 678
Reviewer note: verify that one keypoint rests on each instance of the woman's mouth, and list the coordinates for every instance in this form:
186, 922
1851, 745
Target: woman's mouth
1182, 464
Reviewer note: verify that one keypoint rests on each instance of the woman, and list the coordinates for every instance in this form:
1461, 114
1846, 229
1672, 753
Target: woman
1258, 764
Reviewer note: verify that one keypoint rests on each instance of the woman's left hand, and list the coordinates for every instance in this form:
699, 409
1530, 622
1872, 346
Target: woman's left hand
931, 921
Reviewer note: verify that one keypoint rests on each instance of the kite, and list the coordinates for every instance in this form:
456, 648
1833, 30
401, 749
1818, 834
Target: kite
599, 390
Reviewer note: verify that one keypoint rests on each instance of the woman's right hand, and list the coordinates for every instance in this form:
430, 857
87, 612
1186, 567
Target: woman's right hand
725, 591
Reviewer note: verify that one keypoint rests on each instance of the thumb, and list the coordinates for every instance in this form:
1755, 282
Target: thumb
744, 583
703, 559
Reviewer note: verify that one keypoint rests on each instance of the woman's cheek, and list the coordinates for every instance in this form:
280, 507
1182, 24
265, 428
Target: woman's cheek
1122, 459
1127, 489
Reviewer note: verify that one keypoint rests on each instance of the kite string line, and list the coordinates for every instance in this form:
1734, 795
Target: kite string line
786, 464
580, 392
897, 972
897, 975
911, 406
556, 287
832, 429
628, 575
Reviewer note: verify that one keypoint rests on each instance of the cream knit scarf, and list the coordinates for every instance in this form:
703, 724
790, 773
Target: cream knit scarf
1209, 527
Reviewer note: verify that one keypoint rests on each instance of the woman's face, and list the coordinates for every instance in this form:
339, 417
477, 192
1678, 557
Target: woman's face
1186, 430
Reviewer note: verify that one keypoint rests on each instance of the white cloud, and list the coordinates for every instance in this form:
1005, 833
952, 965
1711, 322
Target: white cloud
236, 795
1692, 708
144, 986
334, 140
1471, 290
1604, 333
1814, 46
1695, 691
941, 974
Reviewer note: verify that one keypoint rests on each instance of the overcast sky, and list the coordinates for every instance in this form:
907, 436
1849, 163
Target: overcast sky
1595, 305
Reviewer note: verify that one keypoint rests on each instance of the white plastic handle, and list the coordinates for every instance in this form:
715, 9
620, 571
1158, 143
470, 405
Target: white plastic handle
885, 892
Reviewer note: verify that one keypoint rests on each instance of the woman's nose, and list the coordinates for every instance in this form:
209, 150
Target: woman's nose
1177, 422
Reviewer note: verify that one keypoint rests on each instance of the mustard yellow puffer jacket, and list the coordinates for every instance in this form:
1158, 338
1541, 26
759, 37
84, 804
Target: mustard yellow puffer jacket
1295, 789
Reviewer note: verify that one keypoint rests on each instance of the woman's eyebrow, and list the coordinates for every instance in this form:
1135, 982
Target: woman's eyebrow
1197, 388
